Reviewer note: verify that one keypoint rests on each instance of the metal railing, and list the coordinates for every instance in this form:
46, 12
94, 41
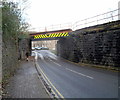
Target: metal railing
95, 20
54, 27
98, 19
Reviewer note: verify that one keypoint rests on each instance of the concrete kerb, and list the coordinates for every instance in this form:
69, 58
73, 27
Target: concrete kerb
45, 83
95, 66
101, 67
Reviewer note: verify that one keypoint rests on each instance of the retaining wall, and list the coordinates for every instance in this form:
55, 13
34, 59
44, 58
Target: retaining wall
96, 45
12, 52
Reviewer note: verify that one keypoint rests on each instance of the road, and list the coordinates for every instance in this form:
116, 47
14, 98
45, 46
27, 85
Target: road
74, 81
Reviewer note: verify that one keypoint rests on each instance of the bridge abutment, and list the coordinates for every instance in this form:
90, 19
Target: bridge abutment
96, 45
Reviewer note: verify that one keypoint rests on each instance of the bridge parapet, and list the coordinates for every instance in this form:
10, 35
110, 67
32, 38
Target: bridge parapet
50, 35
106, 17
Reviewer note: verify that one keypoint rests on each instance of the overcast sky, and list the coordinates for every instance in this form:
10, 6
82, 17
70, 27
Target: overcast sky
43, 13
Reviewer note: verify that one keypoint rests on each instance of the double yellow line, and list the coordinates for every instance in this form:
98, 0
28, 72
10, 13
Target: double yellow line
59, 94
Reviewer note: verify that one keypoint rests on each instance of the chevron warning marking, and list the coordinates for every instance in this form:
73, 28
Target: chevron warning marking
64, 34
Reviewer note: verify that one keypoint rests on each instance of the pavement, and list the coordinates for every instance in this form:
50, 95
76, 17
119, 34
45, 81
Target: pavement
25, 83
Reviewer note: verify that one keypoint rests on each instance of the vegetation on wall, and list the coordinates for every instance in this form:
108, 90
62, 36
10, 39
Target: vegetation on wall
13, 28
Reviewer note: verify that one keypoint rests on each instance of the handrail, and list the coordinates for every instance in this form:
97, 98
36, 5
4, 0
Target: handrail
91, 21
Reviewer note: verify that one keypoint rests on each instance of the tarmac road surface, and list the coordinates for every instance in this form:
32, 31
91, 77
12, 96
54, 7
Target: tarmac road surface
74, 81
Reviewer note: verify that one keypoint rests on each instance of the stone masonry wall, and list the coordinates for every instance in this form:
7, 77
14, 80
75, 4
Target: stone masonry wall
9, 57
12, 52
97, 45
24, 47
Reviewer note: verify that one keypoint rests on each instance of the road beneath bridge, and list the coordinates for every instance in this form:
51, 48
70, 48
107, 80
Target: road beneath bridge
74, 81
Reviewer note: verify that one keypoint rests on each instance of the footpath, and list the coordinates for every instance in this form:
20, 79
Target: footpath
25, 83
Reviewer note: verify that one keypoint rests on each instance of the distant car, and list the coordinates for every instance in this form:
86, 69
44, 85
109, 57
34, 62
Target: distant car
37, 48
44, 48
33, 48
40, 48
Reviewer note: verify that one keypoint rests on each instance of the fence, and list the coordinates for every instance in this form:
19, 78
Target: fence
98, 19
95, 20
54, 27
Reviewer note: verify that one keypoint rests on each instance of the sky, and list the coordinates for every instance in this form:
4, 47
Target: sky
43, 13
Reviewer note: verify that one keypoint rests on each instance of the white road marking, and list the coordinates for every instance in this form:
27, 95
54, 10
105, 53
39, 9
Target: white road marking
53, 56
57, 64
54, 62
80, 73
41, 56
36, 55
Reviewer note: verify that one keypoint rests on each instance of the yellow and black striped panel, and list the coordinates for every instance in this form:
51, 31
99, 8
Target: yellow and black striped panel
51, 35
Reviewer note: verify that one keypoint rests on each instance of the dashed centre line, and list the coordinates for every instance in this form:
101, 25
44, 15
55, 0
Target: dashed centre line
80, 73
55, 62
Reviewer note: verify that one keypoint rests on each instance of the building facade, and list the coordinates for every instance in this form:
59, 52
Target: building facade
51, 44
